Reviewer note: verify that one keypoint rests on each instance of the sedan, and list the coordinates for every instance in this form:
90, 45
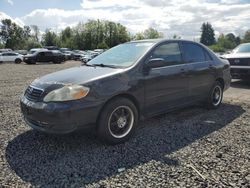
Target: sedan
129, 82
240, 61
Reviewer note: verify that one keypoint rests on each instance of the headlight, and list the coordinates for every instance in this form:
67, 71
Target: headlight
67, 93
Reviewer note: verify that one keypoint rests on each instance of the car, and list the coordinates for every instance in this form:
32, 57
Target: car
43, 56
239, 59
129, 82
11, 57
86, 58
78, 54
51, 47
59, 55
33, 50
22, 52
69, 55
5, 50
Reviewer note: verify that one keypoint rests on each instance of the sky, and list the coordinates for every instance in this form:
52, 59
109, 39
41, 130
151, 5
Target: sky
171, 17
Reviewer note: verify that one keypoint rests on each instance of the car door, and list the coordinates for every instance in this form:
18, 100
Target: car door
49, 56
166, 87
200, 74
6, 57
41, 57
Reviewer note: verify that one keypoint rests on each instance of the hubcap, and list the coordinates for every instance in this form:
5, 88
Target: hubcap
121, 121
217, 95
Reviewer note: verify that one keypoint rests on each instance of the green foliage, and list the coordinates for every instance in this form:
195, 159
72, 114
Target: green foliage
149, 33
102, 45
50, 38
31, 43
207, 34
226, 43
246, 38
152, 33
12, 35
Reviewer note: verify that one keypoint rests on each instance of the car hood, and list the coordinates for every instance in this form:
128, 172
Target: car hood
76, 75
236, 55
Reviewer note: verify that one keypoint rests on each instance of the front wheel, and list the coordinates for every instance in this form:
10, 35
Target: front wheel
215, 96
117, 121
18, 61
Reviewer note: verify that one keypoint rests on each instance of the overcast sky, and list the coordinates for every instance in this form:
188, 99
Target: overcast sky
181, 17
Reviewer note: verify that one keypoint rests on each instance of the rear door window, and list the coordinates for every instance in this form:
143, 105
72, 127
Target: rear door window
193, 53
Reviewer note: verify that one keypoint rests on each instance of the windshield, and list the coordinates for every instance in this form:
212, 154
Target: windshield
243, 48
123, 55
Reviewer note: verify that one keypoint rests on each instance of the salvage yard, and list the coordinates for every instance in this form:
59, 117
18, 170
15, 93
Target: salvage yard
193, 147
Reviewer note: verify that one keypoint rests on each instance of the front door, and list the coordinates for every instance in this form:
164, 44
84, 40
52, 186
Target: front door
166, 87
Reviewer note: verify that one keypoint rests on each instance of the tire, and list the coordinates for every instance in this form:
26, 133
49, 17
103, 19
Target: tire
215, 96
124, 115
18, 61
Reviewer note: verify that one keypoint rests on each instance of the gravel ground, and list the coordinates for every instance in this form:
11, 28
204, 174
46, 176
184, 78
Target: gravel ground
192, 147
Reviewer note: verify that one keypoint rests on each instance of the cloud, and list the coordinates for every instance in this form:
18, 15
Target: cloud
180, 17
16, 20
10, 2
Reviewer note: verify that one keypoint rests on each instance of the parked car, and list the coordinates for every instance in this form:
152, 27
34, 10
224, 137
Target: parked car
22, 52
5, 50
11, 57
77, 54
51, 47
33, 50
59, 54
65, 49
86, 58
43, 56
69, 55
129, 82
239, 59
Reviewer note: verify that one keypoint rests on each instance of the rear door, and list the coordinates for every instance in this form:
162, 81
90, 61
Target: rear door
166, 87
200, 72
49, 56
41, 57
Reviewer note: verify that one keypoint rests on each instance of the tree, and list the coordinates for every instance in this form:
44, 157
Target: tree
176, 37
50, 38
139, 36
36, 32
246, 37
207, 34
149, 33
152, 33
12, 35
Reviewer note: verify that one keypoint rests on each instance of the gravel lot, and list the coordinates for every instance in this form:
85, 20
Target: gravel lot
193, 147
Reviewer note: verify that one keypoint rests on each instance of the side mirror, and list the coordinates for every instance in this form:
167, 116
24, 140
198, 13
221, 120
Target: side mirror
155, 63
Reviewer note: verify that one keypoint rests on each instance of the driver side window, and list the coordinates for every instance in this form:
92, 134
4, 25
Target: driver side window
169, 52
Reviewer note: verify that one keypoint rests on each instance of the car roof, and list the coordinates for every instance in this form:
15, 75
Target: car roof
160, 40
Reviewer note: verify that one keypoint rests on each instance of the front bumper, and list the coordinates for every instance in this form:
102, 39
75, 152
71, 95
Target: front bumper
240, 71
60, 117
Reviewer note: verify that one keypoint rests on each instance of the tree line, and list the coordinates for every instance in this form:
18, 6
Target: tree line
224, 42
85, 36
100, 34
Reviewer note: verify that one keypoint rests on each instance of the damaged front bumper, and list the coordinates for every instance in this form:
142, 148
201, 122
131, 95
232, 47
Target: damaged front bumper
60, 117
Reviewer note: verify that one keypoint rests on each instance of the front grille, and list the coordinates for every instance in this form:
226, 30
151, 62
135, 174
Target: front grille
33, 94
240, 61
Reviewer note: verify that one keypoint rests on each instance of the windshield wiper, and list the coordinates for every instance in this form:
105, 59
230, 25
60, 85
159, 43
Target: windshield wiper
102, 65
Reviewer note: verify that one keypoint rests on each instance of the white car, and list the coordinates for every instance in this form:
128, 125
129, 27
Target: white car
11, 57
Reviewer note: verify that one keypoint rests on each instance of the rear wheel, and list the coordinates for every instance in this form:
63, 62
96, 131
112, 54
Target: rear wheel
117, 121
215, 96
18, 61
